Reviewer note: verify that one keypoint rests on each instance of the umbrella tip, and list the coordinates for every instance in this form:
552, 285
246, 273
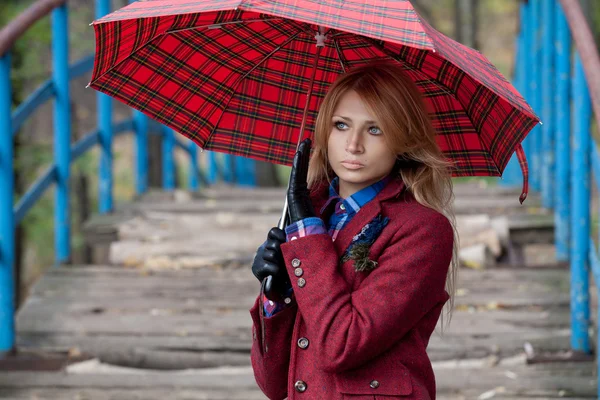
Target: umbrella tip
88, 85
541, 123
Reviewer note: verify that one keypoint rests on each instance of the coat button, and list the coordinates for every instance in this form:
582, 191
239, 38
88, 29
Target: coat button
298, 272
300, 386
303, 343
301, 282
296, 262
374, 384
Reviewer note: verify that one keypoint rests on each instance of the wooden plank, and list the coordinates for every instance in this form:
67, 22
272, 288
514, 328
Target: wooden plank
517, 381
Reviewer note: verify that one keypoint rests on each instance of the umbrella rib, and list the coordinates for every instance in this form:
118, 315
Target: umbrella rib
211, 26
339, 54
217, 26
442, 86
237, 83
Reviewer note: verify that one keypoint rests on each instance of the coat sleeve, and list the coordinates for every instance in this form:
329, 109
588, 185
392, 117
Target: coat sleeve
351, 327
271, 347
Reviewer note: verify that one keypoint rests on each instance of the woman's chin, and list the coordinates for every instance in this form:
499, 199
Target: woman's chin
353, 176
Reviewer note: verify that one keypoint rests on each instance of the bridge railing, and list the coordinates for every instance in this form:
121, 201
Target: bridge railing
558, 71
58, 173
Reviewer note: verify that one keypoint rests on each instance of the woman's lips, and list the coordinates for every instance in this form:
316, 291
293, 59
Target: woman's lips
352, 165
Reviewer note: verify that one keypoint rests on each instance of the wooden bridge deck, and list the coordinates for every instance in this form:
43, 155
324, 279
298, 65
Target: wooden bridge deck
166, 317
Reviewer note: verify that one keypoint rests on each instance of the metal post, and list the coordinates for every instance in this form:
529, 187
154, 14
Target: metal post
62, 132
240, 177
580, 222
536, 94
7, 237
525, 62
141, 152
562, 197
228, 173
104, 105
548, 115
512, 172
168, 159
193, 171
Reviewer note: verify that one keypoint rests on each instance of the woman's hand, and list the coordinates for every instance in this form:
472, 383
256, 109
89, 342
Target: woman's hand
298, 195
268, 262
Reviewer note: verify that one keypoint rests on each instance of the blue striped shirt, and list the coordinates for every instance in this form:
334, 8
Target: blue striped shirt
345, 210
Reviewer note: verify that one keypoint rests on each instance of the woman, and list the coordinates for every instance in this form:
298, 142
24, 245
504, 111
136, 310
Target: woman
368, 260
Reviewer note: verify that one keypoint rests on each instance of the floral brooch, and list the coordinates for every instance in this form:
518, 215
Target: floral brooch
359, 248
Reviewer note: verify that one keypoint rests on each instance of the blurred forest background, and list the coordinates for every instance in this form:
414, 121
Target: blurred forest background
487, 25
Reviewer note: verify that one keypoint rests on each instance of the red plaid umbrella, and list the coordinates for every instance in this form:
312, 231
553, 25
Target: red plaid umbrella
236, 76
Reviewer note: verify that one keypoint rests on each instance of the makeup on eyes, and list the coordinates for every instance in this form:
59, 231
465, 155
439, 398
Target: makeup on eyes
340, 121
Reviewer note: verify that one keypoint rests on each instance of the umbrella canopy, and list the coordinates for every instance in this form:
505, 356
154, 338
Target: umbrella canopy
234, 76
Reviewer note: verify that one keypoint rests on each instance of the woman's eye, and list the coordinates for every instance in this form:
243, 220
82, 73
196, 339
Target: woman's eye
340, 125
375, 130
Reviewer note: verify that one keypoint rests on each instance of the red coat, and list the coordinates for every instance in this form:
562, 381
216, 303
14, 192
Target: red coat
364, 334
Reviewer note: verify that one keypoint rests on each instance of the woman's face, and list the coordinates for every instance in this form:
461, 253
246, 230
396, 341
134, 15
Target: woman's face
357, 150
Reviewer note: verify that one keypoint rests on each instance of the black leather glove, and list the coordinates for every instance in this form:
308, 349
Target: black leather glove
268, 263
298, 195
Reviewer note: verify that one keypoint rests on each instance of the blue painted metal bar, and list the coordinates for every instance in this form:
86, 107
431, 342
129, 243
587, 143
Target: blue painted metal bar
244, 171
179, 144
535, 92
562, 197
239, 170
36, 190
122, 127
7, 239
45, 92
548, 115
82, 67
84, 144
526, 26
141, 152
580, 220
62, 132
193, 174
31, 104
212, 167
168, 159
524, 63
228, 168
512, 172
104, 106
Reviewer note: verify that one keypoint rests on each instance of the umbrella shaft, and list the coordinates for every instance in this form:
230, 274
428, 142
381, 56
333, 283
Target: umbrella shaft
282, 221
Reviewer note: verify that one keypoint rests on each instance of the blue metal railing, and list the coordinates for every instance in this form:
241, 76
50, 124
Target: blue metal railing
57, 88
563, 155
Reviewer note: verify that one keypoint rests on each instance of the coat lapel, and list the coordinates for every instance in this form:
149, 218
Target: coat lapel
369, 211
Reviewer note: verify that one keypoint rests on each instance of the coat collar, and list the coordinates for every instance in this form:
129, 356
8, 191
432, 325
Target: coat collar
320, 195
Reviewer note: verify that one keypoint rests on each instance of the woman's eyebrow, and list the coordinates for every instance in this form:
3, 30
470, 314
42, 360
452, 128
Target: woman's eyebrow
350, 119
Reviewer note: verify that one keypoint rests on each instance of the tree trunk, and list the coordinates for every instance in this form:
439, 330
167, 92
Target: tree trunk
266, 175
458, 22
466, 20
155, 176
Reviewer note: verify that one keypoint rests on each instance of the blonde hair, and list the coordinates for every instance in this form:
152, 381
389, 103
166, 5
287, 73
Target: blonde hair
394, 99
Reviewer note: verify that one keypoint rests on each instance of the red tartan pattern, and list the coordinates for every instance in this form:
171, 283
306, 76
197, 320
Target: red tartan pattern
241, 88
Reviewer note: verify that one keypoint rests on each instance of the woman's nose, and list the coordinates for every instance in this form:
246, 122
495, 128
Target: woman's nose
353, 143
